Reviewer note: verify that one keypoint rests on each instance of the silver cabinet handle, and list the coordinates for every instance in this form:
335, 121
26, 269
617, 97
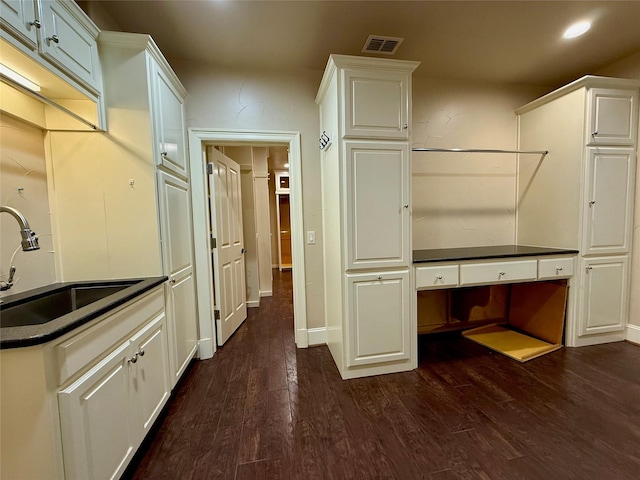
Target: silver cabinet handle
53, 38
36, 23
133, 359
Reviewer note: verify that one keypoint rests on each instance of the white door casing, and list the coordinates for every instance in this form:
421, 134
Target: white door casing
199, 138
226, 221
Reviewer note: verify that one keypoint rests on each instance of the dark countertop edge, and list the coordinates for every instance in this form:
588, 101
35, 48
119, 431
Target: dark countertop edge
482, 253
31, 335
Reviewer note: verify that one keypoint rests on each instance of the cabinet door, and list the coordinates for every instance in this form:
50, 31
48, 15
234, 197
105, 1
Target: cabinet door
609, 201
613, 116
170, 130
378, 328
177, 253
19, 18
376, 104
150, 377
66, 43
377, 204
604, 295
95, 419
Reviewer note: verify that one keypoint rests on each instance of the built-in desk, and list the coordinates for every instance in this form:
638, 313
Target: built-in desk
522, 287
454, 267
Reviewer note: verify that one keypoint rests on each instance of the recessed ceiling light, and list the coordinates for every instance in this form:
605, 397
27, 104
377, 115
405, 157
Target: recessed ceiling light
577, 29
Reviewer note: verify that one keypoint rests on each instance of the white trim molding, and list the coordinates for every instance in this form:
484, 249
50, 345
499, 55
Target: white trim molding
198, 138
317, 336
633, 333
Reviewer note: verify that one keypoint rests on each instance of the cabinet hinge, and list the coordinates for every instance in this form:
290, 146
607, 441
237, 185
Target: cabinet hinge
216, 314
210, 168
214, 243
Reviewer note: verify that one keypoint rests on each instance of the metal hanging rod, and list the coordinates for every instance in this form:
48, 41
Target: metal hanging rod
11, 82
478, 150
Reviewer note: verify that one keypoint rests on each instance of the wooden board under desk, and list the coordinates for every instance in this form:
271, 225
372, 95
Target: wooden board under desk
524, 289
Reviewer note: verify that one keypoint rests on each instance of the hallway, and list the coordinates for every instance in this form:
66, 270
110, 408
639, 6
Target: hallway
260, 409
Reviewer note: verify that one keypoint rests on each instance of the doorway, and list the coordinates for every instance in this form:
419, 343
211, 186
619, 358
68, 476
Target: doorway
198, 140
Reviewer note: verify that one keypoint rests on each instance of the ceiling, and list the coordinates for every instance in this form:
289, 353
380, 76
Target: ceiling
497, 41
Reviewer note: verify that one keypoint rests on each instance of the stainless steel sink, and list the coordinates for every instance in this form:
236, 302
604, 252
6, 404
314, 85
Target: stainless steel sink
45, 306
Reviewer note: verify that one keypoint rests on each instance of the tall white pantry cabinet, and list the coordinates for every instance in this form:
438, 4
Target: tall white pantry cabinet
123, 207
581, 195
365, 109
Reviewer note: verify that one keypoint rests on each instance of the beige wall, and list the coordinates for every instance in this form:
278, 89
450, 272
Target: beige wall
464, 199
264, 100
629, 67
24, 187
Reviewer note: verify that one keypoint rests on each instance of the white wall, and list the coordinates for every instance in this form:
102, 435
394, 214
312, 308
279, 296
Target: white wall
24, 187
629, 67
265, 100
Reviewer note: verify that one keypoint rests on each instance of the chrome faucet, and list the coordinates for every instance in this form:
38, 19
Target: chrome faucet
29, 241
29, 238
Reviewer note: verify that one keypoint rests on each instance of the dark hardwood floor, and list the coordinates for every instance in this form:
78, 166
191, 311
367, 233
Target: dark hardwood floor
260, 409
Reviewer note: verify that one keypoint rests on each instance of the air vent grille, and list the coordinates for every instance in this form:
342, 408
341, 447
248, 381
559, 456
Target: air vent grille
380, 44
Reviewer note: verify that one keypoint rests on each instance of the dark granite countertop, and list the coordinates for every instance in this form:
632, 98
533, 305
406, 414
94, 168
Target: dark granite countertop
28, 335
479, 253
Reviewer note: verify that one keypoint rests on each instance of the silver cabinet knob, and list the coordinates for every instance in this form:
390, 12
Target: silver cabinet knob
589, 267
406, 205
405, 126
36, 23
164, 154
558, 269
592, 202
141, 352
593, 134
501, 274
133, 359
53, 38
172, 281
379, 277
439, 277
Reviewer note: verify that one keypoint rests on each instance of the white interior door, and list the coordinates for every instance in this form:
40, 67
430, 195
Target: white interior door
228, 254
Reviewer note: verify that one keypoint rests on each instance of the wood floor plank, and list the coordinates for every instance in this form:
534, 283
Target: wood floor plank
263, 409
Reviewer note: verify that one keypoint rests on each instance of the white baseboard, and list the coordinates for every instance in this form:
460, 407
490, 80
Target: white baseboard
317, 336
206, 348
253, 304
633, 333
266, 293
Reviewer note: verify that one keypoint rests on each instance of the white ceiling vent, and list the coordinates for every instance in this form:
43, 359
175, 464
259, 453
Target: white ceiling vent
380, 44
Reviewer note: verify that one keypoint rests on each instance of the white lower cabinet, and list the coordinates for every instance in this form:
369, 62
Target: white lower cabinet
107, 411
378, 306
604, 295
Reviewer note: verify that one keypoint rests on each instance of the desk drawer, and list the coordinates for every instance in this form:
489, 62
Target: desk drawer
498, 272
438, 276
555, 268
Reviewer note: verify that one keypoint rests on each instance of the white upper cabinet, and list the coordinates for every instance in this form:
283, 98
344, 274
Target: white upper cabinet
376, 104
613, 116
170, 125
67, 43
20, 18
377, 207
609, 196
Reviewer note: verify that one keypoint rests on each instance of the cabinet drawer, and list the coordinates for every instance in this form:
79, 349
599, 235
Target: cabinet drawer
498, 272
555, 268
436, 277
78, 352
